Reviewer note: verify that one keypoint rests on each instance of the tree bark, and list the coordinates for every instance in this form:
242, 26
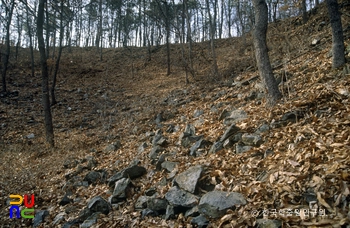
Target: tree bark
45, 75
337, 33
6, 55
261, 53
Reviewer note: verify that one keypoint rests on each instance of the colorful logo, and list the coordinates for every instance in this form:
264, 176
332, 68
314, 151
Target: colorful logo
27, 212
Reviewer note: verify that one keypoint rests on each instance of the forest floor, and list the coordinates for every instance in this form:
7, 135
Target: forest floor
119, 98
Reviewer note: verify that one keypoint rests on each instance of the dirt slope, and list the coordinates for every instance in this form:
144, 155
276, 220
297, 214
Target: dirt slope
118, 99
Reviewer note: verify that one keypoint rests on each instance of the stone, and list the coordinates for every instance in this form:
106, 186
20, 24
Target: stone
236, 115
224, 114
98, 204
179, 197
40, 217
233, 129
141, 202
188, 179
263, 128
217, 146
198, 113
119, 193
158, 139
155, 151
92, 177
65, 200
193, 212
242, 148
254, 140
142, 147
158, 205
215, 204
170, 212
314, 42
267, 223
30, 136
91, 220
200, 221
148, 212
59, 218
199, 144
169, 166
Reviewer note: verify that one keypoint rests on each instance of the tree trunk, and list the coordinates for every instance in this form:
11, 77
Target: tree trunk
337, 33
30, 41
212, 29
45, 75
53, 96
304, 12
261, 54
6, 55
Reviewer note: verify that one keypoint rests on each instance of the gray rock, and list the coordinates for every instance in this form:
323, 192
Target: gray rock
59, 218
158, 205
30, 136
186, 141
70, 163
90, 220
224, 114
98, 204
148, 212
155, 151
65, 200
170, 212
263, 128
92, 177
141, 202
252, 140
233, 129
39, 217
199, 144
110, 148
84, 214
237, 115
315, 42
142, 147
193, 212
201, 221
188, 179
132, 172
189, 130
151, 191
242, 148
179, 197
217, 146
169, 166
232, 140
216, 203
197, 113
119, 193
267, 223
158, 139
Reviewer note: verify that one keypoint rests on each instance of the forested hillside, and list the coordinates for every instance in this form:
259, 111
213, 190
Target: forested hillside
138, 146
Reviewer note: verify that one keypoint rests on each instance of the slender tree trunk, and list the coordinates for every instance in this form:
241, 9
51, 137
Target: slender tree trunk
6, 55
167, 24
45, 75
304, 11
30, 41
212, 36
53, 96
261, 54
337, 33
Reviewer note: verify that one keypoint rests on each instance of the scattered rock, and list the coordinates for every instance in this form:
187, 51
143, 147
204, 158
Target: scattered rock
142, 147
98, 204
252, 140
170, 212
197, 113
217, 146
169, 166
314, 42
201, 221
267, 223
119, 193
153, 154
65, 200
92, 177
241, 148
233, 129
39, 217
141, 202
215, 204
179, 197
90, 220
199, 144
59, 218
158, 205
188, 179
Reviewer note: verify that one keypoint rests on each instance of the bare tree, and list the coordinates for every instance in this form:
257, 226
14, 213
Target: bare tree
261, 54
45, 75
9, 6
337, 33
